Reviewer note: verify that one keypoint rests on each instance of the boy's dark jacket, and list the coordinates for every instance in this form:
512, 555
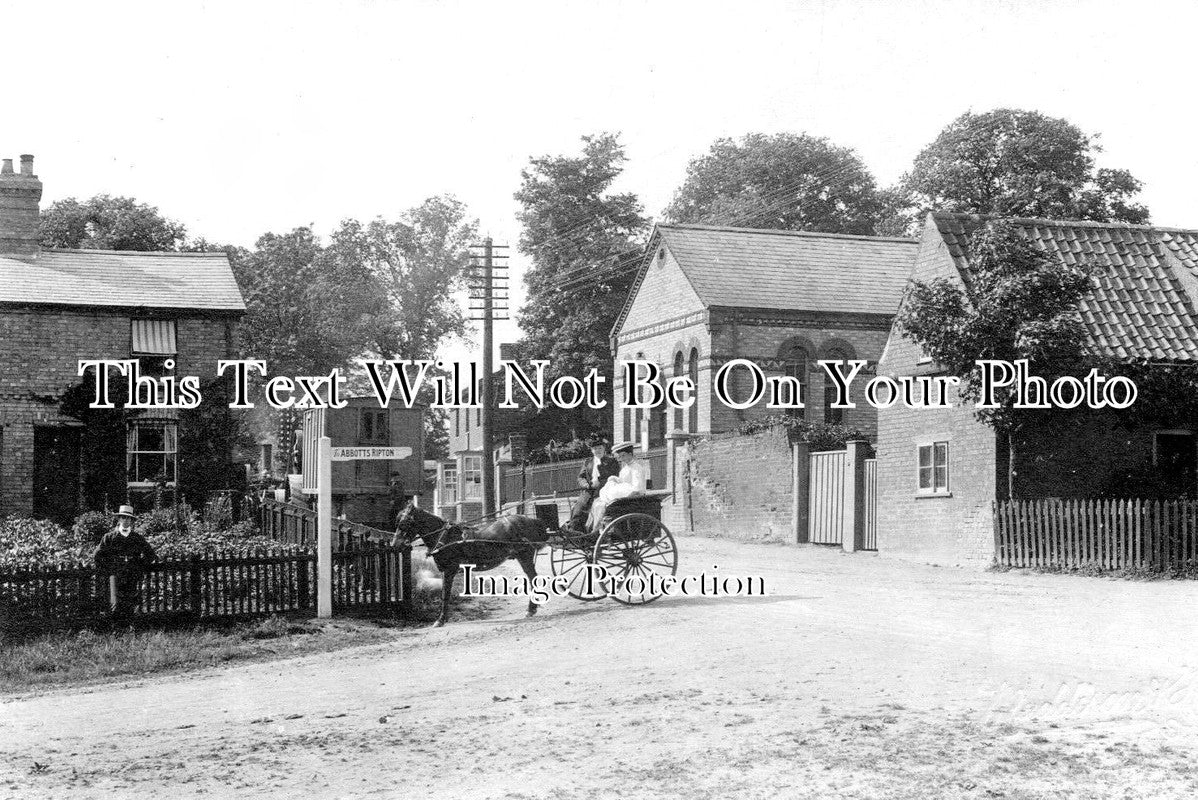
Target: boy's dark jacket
118, 554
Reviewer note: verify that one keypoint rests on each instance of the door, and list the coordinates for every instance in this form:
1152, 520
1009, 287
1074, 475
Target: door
56, 473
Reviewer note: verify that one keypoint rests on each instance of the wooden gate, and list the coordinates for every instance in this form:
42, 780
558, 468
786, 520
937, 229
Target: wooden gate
825, 512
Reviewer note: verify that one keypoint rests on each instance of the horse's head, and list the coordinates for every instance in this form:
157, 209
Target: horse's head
413, 523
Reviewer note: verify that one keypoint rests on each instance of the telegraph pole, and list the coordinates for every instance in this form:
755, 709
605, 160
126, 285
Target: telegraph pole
488, 288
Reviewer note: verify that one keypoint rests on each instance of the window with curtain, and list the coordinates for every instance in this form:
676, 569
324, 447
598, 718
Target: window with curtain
150, 452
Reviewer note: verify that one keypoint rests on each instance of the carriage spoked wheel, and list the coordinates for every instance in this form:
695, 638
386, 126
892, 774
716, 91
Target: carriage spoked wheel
572, 563
636, 548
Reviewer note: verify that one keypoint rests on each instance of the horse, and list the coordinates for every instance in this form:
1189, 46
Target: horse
503, 538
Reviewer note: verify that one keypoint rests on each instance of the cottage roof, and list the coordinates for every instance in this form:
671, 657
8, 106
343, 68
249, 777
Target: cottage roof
99, 278
1142, 305
795, 270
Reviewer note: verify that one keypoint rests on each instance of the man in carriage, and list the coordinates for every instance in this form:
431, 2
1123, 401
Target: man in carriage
591, 478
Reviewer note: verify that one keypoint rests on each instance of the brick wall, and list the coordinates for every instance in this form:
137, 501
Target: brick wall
741, 486
39, 354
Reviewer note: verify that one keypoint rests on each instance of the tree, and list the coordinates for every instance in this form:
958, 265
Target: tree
292, 320
787, 182
109, 223
401, 276
578, 235
1019, 303
1016, 163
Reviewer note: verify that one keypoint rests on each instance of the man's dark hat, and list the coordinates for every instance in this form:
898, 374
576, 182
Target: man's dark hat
594, 440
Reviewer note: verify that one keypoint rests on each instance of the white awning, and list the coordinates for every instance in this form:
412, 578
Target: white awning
154, 337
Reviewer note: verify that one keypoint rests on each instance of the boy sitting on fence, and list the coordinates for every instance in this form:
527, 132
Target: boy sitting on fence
125, 555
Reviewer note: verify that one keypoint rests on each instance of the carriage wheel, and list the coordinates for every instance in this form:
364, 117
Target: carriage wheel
632, 547
572, 563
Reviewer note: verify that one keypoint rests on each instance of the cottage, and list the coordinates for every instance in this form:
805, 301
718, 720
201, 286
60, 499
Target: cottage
176, 313
939, 469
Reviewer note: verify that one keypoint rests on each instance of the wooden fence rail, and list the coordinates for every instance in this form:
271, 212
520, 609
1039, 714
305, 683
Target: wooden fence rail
219, 584
292, 524
1098, 534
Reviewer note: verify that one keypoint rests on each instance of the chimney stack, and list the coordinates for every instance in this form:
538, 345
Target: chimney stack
19, 212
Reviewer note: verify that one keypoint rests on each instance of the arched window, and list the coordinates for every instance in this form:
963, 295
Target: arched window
834, 416
692, 369
795, 358
679, 371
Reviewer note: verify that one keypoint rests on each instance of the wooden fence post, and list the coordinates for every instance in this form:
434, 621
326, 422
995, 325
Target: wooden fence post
854, 499
801, 491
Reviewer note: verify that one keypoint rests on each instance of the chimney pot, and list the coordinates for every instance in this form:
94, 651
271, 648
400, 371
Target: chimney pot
7, 168
27, 165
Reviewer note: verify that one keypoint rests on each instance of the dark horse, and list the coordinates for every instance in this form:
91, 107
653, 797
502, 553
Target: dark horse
486, 548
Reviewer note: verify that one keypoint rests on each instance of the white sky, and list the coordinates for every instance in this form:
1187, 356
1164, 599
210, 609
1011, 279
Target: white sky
239, 118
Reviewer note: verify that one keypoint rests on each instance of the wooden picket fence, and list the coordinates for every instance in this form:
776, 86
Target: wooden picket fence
1153, 535
210, 585
294, 524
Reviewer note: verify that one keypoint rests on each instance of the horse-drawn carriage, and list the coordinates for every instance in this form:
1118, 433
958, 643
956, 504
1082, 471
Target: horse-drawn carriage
627, 559
633, 548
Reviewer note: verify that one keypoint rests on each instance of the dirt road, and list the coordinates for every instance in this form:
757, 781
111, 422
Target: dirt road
858, 676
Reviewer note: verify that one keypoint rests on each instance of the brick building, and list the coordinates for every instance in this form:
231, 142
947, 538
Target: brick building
781, 299
939, 470
60, 306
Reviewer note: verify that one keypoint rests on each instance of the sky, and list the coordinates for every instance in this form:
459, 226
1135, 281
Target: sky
241, 118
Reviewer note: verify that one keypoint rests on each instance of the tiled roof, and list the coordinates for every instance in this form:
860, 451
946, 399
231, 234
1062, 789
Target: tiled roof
802, 271
1139, 307
198, 281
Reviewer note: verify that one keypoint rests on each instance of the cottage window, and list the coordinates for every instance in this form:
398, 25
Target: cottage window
933, 468
627, 425
472, 477
153, 343
150, 450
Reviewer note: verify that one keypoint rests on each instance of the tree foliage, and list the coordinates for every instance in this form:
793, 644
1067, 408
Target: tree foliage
109, 223
575, 232
1017, 303
786, 181
291, 321
401, 275
1016, 163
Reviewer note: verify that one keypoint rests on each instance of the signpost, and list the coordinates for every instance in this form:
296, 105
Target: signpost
370, 453
326, 454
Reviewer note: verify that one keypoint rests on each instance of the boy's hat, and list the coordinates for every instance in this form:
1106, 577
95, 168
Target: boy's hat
125, 511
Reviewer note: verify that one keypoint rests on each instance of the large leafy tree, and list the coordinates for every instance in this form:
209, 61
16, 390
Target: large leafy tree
109, 223
292, 320
786, 181
400, 277
1016, 163
578, 235
1018, 303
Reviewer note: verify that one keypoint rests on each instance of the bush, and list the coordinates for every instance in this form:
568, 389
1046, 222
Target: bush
157, 521
26, 541
821, 436
89, 528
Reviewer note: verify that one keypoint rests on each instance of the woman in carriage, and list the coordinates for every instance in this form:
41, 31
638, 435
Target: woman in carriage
630, 481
